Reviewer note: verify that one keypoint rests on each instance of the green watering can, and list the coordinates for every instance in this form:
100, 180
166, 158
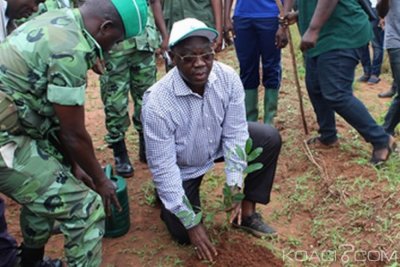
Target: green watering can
119, 222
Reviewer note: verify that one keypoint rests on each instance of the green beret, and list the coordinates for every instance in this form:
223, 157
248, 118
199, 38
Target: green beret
133, 15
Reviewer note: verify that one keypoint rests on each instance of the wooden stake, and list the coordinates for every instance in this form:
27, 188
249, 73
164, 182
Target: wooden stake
294, 65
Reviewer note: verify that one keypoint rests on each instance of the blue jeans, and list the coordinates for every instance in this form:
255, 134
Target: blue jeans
329, 80
255, 39
374, 67
392, 117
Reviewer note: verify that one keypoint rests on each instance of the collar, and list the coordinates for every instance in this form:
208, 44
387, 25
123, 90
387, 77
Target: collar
181, 88
89, 38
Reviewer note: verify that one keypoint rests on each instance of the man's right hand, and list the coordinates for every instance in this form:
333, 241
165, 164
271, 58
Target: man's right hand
205, 250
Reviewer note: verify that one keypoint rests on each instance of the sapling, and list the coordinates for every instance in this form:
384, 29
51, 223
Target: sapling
233, 194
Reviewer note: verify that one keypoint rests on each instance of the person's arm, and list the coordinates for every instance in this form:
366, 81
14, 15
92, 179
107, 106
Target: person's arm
161, 158
160, 23
234, 132
66, 90
78, 144
217, 12
229, 31
383, 8
322, 13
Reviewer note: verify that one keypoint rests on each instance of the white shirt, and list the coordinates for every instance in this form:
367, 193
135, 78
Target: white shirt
3, 20
185, 132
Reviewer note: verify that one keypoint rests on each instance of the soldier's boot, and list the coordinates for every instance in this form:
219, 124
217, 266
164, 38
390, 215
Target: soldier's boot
33, 257
123, 165
251, 102
270, 105
142, 148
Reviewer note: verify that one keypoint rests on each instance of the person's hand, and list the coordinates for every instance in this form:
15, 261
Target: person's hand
309, 40
289, 19
236, 213
164, 46
205, 250
229, 32
82, 175
218, 44
281, 38
106, 190
99, 67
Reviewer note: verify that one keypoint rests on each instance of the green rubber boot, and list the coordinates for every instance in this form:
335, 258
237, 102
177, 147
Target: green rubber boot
251, 102
270, 105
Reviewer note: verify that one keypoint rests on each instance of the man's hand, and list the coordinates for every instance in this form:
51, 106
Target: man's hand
309, 39
218, 44
236, 213
82, 175
289, 19
281, 39
205, 250
229, 32
106, 190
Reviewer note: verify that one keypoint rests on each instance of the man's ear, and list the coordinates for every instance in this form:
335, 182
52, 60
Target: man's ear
106, 26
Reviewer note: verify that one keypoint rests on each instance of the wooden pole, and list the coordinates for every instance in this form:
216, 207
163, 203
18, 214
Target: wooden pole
294, 65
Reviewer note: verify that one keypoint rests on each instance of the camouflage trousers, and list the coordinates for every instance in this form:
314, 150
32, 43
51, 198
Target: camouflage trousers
134, 73
48, 192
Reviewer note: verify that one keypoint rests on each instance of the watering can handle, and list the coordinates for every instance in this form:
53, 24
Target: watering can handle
108, 171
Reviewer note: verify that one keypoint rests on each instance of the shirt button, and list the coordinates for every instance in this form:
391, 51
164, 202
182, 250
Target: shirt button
208, 128
211, 141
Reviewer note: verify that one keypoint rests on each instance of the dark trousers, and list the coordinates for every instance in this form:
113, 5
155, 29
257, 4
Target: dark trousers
8, 245
392, 117
329, 80
257, 185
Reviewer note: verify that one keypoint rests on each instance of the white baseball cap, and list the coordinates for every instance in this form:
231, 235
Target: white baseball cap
190, 27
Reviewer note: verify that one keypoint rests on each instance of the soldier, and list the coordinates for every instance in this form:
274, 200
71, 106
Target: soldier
131, 67
44, 146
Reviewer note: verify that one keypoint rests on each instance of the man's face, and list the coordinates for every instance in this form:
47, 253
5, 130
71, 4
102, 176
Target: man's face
194, 59
17, 9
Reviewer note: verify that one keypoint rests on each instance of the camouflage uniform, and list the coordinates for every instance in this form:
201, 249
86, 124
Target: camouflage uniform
44, 62
131, 67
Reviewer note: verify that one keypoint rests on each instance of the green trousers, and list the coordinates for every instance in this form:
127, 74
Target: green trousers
49, 192
133, 72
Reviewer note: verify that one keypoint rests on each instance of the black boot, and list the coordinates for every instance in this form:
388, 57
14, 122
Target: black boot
33, 257
123, 166
142, 148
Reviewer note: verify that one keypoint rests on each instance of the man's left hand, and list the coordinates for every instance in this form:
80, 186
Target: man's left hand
236, 213
309, 40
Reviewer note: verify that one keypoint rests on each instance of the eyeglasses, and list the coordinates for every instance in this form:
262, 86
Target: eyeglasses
190, 59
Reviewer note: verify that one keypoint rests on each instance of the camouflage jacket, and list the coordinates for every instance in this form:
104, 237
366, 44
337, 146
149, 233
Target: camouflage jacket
44, 62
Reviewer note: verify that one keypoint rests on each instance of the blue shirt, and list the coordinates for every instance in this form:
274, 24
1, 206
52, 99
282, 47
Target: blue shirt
256, 9
185, 132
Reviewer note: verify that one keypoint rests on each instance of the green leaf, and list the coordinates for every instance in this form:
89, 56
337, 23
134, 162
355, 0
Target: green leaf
209, 218
227, 191
253, 167
255, 154
238, 197
240, 153
249, 145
